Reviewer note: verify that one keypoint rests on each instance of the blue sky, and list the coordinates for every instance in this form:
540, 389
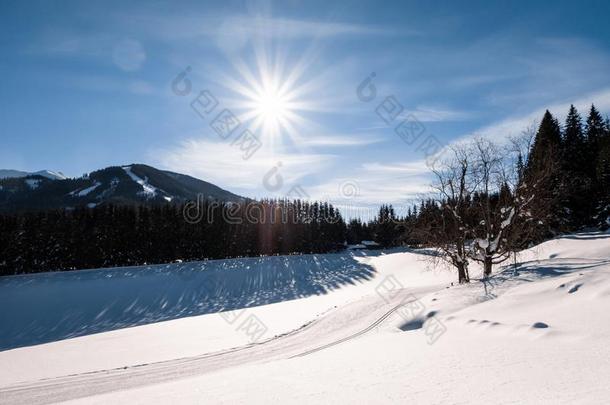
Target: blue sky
87, 85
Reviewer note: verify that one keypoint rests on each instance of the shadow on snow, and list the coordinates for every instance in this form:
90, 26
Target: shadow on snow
47, 307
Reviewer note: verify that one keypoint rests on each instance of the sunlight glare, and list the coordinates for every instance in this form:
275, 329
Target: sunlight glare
272, 105
272, 100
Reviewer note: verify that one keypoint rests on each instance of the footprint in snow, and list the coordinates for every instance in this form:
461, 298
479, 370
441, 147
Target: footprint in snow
412, 325
575, 288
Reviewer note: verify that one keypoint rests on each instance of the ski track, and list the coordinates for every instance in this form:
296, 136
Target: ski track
310, 338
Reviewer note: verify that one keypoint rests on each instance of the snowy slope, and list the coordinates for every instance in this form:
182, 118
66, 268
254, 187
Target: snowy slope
535, 335
9, 173
147, 189
85, 302
85, 191
49, 174
128, 184
92, 301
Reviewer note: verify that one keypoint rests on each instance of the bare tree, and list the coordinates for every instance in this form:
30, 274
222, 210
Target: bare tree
483, 205
454, 189
499, 202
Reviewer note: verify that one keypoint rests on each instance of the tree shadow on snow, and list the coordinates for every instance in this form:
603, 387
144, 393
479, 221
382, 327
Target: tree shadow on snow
535, 270
47, 307
586, 236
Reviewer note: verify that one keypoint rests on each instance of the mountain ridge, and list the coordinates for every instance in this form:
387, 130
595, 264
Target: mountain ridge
51, 175
128, 184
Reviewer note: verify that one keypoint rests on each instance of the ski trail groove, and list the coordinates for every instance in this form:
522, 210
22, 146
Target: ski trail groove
286, 346
355, 335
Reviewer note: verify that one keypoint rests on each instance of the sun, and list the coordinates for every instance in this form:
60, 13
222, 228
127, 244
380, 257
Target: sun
271, 100
272, 106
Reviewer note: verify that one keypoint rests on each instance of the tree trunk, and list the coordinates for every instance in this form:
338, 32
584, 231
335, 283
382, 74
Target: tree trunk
462, 276
487, 266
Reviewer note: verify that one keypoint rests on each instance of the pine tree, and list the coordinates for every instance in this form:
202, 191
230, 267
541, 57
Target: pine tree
574, 146
602, 216
576, 179
386, 232
546, 147
543, 173
520, 168
595, 133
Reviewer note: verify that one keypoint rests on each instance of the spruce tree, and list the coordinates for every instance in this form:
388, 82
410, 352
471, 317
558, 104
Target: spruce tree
602, 217
576, 179
546, 147
574, 146
595, 133
543, 173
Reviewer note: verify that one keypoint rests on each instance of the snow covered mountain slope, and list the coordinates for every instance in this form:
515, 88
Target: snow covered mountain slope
534, 333
9, 173
128, 184
51, 175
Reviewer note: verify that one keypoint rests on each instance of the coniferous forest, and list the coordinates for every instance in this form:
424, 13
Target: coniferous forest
485, 207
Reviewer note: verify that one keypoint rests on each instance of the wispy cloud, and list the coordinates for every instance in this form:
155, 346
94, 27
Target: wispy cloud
289, 28
374, 183
422, 114
411, 168
223, 164
400, 182
434, 114
511, 126
341, 140
261, 26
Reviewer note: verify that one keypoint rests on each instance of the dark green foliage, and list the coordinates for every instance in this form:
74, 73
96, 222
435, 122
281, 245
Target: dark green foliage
577, 182
543, 172
602, 175
545, 152
595, 131
387, 231
123, 235
357, 231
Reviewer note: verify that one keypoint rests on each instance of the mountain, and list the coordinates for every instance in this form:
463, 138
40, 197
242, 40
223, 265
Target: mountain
131, 184
7, 173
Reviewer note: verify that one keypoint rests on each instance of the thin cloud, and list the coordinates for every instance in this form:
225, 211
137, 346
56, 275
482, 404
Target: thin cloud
247, 26
341, 140
432, 114
412, 168
502, 130
373, 183
222, 163
292, 28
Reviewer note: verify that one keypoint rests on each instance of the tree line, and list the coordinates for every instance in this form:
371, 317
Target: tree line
489, 200
124, 235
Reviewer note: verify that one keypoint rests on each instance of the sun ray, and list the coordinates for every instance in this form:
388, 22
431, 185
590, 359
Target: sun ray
272, 94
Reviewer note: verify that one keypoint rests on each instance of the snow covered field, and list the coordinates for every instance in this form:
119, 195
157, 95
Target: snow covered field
358, 327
